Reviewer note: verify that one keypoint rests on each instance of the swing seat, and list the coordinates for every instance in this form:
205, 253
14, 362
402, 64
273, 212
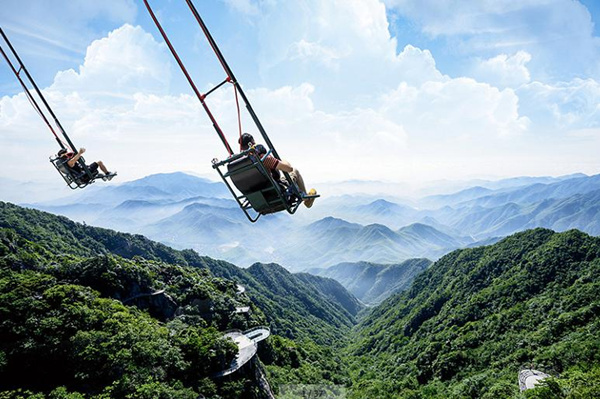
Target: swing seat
73, 179
260, 194
250, 177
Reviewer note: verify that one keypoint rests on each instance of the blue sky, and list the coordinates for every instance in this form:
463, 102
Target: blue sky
394, 90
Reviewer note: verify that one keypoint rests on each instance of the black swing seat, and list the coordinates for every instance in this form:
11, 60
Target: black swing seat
259, 190
73, 178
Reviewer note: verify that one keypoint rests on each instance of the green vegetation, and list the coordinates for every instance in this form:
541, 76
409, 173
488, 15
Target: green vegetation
476, 316
91, 313
94, 313
62, 325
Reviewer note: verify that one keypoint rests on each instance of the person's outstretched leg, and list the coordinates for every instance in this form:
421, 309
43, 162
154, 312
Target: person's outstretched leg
297, 178
102, 167
108, 175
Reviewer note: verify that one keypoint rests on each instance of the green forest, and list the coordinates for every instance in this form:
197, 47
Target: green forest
87, 312
468, 324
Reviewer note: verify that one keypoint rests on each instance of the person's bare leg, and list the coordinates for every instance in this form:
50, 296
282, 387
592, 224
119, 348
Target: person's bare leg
102, 167
297, 178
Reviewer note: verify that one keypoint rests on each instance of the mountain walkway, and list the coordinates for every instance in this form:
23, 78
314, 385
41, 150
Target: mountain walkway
247, 347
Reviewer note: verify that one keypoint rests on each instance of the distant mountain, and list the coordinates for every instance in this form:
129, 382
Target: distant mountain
372, 283
579, 211
188, 212
332, 241
471, 193
19, 191
164, 186
384, 212
334, 291
182, 185
533, 193
426, 238
522, 181
471, 320
449, 187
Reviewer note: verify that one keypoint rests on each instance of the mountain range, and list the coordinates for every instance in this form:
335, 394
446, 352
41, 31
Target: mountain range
185, 211
476, 317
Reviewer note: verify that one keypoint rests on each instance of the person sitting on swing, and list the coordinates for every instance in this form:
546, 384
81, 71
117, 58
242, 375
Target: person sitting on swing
275, 165
73, 164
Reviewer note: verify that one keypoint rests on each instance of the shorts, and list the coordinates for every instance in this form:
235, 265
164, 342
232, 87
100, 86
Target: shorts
93, 168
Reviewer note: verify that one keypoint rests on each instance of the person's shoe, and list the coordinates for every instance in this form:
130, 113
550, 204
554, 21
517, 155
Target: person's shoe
110, 175
309, 202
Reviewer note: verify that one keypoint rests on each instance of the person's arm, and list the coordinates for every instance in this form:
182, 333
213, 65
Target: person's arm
284, 166
73, 160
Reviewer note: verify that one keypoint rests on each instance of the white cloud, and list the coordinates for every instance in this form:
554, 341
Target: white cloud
343, 47
455, 109
315, 53
416, 66
125, 62
557, 33
563, 105
504, 70
458, 17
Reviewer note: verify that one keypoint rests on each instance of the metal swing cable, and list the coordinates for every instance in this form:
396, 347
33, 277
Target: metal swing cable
189, 79
239, 115
32, 101
233, 80
231, 76
37, 90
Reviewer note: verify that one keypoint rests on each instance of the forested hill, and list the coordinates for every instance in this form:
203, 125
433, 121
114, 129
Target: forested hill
59, 235
105, 313
469, 322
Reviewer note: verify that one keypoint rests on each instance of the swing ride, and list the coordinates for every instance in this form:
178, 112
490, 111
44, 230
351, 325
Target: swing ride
256, 190
76, 175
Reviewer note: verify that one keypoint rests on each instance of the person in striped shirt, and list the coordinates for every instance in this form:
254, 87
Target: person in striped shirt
275, 165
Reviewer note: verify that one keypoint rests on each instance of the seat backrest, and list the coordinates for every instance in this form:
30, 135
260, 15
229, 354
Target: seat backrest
71, 176
62, 166
247, 177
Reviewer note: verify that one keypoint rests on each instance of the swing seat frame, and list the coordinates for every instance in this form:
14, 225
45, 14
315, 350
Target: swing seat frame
256, 191
73, 179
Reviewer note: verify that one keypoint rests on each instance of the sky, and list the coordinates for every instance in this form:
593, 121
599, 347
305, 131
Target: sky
402, 91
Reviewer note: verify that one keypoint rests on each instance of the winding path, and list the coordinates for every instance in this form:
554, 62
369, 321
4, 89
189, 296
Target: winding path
246, 342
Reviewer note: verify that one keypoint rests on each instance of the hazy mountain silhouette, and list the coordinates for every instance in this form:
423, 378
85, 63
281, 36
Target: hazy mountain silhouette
190, 212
